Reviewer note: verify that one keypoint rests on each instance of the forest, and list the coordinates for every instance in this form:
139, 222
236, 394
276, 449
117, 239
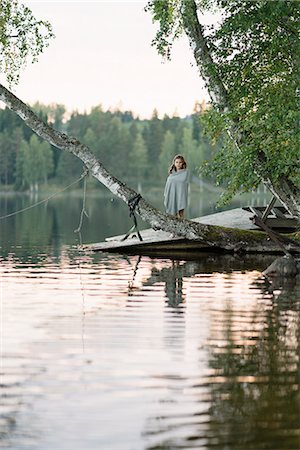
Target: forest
138, 151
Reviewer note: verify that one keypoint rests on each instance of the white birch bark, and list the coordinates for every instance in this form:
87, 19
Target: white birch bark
284, 190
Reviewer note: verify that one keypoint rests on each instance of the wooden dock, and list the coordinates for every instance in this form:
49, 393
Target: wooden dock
162, 243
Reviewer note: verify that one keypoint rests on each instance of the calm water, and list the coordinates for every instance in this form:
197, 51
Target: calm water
112, 352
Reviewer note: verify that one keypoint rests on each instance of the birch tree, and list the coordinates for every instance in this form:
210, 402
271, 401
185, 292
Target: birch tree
250, 65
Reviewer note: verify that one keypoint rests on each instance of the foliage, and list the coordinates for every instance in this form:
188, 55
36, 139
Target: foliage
53, 114
6, 165
260, 68
256, 51
34, 163
153, 135
168, 14
21, 37
190, 150
168, 151
138, 158
119, 143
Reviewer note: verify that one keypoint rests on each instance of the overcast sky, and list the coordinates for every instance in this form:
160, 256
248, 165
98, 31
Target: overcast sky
102, 54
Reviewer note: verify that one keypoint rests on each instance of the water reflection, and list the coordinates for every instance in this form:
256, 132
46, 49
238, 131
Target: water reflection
53, 223
248, 396
130, 353
173, 279
257, 368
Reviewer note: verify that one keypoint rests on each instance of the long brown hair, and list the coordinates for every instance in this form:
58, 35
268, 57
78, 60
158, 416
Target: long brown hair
172, 166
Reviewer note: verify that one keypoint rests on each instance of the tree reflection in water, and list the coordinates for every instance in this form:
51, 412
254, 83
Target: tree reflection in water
256, 399
249, 397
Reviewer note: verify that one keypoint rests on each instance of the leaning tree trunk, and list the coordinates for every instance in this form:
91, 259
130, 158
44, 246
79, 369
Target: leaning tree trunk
284, 190
213, 237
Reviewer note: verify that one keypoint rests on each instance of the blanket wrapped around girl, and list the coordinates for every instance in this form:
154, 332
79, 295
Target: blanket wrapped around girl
176, 189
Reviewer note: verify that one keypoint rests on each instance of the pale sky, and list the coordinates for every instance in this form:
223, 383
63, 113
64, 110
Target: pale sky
102, 54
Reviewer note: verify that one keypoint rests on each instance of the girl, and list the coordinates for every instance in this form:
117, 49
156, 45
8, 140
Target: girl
176, 189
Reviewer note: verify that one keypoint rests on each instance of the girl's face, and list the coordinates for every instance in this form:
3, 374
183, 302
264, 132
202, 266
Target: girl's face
178, 163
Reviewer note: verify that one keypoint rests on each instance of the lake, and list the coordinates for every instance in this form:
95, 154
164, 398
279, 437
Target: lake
105, 351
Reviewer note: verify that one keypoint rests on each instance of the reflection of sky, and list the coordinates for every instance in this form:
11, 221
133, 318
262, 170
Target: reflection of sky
102, 54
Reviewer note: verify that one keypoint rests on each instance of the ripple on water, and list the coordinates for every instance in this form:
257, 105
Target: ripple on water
138, 353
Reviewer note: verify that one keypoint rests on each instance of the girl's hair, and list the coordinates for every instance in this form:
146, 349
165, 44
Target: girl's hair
172, 166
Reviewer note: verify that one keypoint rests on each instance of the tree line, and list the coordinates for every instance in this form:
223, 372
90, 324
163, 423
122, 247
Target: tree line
138, 151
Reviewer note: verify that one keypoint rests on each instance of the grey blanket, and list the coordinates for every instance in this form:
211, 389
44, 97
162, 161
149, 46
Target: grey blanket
176, 191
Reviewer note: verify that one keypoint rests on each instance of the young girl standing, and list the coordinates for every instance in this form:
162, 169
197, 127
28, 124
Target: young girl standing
176, 189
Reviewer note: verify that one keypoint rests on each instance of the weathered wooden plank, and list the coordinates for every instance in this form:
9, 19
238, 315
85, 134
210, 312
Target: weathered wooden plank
233, 218
281, 223
256, 211
279, 213
267, 211
152, 244
273, 213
